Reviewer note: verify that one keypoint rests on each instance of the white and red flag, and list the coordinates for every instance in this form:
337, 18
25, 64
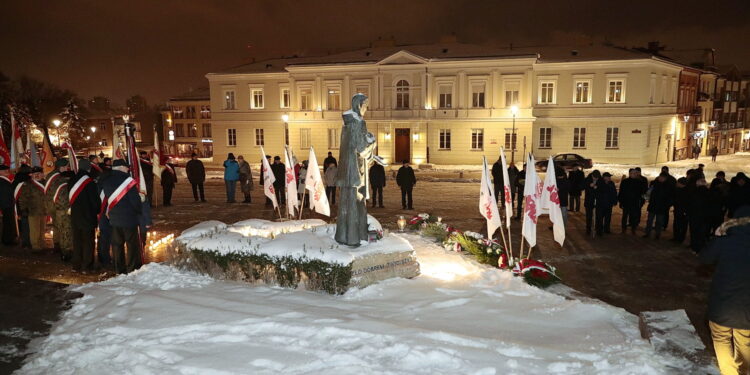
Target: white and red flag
156, 156
550, 202
4, 152
71, 156
506, 189
314, 183
31, 152
268, 179
16, 144
291, 183
531, 194
488, 201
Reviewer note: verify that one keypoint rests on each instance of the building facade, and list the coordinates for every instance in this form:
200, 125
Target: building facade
729, 130
187, 125
452, 103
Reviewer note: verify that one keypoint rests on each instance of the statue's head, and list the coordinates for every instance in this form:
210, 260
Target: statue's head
359, 104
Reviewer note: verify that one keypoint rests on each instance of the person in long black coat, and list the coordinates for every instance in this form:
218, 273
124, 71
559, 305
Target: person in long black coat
591, 184
681, 203
377, 183
606, 198
563, 192
659, 202
279, 173
196, 174
124, 219
698, 214
23, 176
147, 168
168, 181
630, 197
739, 193
498, 180
576, 182
406, 180
83, 212
7, 205
729, 296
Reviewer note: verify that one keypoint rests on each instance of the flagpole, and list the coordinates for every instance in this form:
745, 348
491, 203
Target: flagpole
520, 249
302, 203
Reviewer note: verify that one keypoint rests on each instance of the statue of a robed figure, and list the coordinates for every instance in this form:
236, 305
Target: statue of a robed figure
355, 154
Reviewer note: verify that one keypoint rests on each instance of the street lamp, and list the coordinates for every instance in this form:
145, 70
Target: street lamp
57, 123
514, 111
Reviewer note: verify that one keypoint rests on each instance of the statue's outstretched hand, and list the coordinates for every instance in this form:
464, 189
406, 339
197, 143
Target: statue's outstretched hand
379, 160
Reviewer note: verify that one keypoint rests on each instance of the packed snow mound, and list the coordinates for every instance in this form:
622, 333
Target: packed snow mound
456, 318
269, 229
201, 229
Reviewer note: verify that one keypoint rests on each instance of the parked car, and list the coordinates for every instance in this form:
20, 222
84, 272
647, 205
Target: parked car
566, 161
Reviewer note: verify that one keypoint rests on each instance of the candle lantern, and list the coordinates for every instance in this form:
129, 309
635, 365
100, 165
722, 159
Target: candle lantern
401, 222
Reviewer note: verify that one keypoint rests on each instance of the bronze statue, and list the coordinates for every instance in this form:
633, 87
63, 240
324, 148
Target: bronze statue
355, 154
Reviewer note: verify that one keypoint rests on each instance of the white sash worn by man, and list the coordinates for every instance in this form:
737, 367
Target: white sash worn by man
291, 183
314, 183
268, 179
488, 202
78, 188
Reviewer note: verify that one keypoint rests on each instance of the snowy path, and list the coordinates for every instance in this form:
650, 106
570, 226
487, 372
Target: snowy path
457, 317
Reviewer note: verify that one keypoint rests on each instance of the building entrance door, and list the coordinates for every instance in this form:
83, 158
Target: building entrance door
403, 145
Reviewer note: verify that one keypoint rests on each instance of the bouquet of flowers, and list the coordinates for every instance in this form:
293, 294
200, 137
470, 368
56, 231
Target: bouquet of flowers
421, 220
536, 273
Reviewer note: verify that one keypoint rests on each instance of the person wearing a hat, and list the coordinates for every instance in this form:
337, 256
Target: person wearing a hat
606, 198
123, 209
83, 198
31, 205
7, 205
61, 230
729, 296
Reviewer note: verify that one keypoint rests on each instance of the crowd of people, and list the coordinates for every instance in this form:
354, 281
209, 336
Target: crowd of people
96, 215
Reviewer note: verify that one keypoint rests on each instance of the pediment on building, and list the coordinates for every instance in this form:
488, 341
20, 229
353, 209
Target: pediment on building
402, 58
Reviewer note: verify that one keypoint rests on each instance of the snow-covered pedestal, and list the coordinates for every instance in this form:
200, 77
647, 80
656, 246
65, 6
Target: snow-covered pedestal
296, 254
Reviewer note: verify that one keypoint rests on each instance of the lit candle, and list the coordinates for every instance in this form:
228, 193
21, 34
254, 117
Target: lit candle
401, 222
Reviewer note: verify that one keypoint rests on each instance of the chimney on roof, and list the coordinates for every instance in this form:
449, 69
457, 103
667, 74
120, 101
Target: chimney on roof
387, 42
709, 57
448, 39
655, 47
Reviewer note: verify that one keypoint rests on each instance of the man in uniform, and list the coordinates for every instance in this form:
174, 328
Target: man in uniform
83, 198
62, 235
123, 209
31, 205
7, 205
147, 169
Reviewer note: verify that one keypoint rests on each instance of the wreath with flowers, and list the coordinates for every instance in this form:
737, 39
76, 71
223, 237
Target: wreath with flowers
420, 221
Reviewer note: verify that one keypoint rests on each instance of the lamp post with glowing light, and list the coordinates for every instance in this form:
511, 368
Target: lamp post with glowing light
514, 111
57, 123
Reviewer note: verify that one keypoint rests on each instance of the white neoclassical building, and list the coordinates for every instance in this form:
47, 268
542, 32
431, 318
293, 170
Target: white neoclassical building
452, 103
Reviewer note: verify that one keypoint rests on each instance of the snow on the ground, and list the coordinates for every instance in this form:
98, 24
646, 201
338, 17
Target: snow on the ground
457, 317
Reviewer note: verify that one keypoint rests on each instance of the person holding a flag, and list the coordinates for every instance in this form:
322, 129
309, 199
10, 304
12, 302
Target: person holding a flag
147, 169
168, 181
62, 235
83, 198
30, 197
123, 209
7, 205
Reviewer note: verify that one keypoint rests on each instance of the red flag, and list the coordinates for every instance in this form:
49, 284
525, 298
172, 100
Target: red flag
4, 152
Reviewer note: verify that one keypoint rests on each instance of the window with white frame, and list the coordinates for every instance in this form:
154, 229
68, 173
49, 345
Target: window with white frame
304, 138
511, 92
582, 91
579, 137
402, 94
510, 139
445, 93
547, 92
613, 138
334, 137
286, 99
334, 99
232, 137
616, 90
545, 137
445, 139
477, 139
260, 139
229, 102
256, 98
305, 99
477, 95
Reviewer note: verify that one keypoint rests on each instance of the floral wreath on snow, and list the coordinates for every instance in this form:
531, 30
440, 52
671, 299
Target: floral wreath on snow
487, 251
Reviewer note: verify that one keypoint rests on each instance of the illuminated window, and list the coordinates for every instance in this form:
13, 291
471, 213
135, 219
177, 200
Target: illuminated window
256, 99
285, 98
192, 130
613, 138
616, 91
229, 102
305, 99
477, 95
477, 139
446, 96
334, 99
511, 93
402, 94
547, 92
582, 92
260, 139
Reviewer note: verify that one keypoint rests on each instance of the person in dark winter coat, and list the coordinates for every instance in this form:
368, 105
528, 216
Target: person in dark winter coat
591, 185
196, 174
497, 180
328, 161
517, 191
681, 203
168, 181
22, 176
630, 197
406, 180
377, 182
606, 198
698, 214
147, 168
563, 192
231, 176
660, 200
576, 181
279, 173
7, 205
84, 207
739, 193
123, 212
729, 296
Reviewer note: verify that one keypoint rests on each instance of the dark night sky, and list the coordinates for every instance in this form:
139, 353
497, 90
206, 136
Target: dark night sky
163, 48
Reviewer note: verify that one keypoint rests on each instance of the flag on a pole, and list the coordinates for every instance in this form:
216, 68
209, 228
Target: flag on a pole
531, 193
268, 179
135, 165
71, 156
116, 144
31, 152
46, 156
506, 189
291, 183
550, 200
314, 183
4, 152
488, 202
156, 156
16, 144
